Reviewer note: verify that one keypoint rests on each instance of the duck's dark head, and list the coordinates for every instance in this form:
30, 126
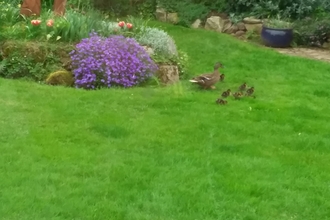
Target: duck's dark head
218, 65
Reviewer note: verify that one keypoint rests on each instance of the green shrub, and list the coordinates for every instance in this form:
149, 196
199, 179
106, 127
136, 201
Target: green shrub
15, 66
81, 4
188, 12
295, 9
312, 32
9, 13
31, 60
146, 8
116, 7
143, 8
159, 40
62, 77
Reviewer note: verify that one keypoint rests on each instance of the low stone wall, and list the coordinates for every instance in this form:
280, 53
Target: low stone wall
220, 24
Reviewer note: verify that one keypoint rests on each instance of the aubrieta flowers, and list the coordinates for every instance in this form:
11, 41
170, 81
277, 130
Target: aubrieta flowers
106, 62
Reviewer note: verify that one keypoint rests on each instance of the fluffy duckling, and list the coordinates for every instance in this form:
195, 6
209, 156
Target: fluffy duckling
222, 77
242, 87
226, 93
238, 95
221, 102
208, 80
250, 91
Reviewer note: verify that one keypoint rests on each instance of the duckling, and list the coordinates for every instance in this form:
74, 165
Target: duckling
250, 91
221, 102
208, 80
222, 77
238, 95
242, 87
226, 93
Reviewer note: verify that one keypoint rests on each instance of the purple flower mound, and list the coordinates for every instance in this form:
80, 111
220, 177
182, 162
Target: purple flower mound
105, 62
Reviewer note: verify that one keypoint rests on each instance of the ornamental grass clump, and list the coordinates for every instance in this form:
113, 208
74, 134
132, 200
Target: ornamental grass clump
114, 61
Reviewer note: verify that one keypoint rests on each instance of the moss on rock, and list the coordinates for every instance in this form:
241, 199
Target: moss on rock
62, 77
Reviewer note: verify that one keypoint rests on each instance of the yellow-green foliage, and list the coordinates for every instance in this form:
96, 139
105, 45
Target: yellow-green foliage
62, 77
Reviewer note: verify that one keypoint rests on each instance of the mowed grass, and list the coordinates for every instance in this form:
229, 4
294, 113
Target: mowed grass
171, 153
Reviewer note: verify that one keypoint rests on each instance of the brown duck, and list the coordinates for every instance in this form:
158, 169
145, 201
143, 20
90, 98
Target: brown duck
207, 80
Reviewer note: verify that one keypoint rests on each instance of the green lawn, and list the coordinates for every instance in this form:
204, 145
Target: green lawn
172, 153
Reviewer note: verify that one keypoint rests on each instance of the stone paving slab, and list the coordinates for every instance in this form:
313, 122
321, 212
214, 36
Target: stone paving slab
312, 53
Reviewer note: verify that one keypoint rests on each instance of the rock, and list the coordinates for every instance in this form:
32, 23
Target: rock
241, 26
326, 45
216, 23
213, 23
149, 50
226, 25
197, 24
172, 18
252, 20
256, 28
168, 74
161, 14
231, 30
239, 33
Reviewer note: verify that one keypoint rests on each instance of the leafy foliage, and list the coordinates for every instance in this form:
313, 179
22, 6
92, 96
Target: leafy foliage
181, 61
277, 23
312, 32
159, 40
33, 61
106, 62
146, 8
190, 10
16, 66
263, 8
9, 13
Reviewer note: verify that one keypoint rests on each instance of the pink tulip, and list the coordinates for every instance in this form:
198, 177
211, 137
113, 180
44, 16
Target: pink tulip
121, 24
129, 25
35, 22
50, 23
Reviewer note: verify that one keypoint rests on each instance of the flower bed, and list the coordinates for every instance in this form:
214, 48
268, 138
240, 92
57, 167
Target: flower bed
128, 63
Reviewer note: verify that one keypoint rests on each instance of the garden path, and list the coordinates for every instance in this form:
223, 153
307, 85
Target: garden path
312, 53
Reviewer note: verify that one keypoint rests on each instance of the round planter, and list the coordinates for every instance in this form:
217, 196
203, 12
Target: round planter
276, 37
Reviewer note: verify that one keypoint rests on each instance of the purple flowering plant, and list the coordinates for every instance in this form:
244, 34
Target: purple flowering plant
113, 61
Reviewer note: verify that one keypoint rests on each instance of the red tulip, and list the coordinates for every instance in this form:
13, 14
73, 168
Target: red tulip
121, 24
50, 23
129, 25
